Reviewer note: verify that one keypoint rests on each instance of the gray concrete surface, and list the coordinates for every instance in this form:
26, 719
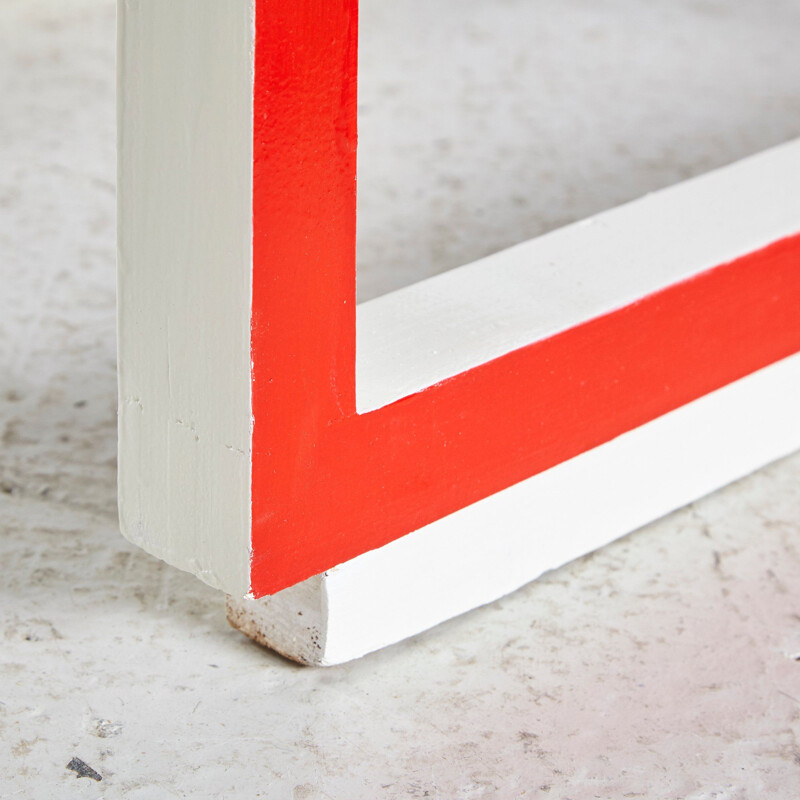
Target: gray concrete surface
664, 666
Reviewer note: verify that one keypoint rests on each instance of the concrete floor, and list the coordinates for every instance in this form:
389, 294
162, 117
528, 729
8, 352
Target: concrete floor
666, 665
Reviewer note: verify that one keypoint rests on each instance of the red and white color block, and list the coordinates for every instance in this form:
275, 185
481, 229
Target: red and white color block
384, 467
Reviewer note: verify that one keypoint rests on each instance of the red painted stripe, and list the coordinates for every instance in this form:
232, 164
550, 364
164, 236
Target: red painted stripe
329, 484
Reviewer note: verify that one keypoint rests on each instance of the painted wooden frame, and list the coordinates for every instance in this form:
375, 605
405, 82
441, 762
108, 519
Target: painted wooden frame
449, 441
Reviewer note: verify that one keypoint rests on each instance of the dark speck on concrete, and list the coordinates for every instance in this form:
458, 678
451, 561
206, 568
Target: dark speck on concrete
83, 770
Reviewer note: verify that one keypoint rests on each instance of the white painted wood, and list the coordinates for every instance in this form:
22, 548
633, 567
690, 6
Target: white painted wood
496, 545
184, 299
184, 278
420, 335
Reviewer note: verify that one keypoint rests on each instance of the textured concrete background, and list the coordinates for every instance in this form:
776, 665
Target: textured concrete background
664, 666
487, 122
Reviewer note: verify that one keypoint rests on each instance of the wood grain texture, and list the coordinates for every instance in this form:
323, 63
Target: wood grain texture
184, 245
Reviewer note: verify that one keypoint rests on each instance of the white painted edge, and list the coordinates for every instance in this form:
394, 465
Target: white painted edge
420, 335
185, 99
493, 547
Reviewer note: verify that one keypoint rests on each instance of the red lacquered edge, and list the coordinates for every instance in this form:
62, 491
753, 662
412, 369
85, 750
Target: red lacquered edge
328, 484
